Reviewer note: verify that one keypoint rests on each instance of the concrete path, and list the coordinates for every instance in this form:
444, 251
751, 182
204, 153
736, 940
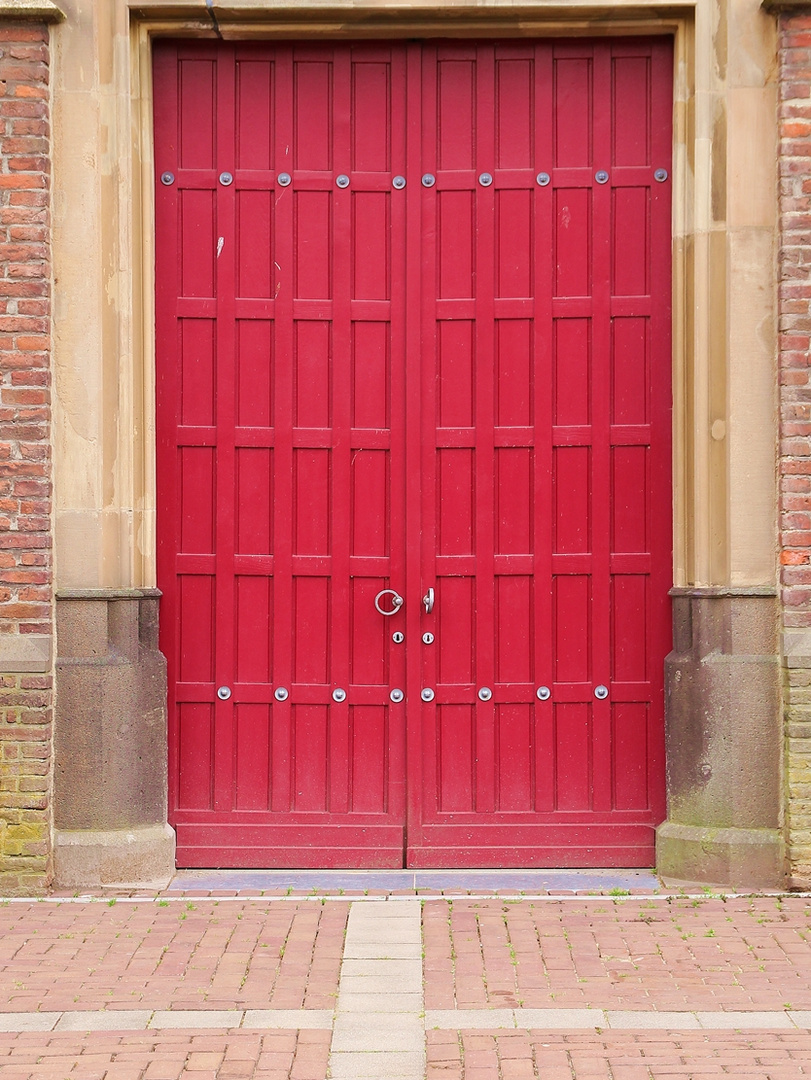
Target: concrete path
399, 988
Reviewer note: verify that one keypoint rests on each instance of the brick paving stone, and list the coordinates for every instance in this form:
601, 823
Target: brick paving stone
678, 954
193, 955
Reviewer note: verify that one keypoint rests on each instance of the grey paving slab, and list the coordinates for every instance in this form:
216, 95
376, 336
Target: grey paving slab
197, 1018
574, 1019
377, 967
350, 1001
356, 1032
289, 1019
404, 1065
801, 1018
680, 1021
462, 1019
28, 1021
105, 1020
746, 1021
375, 984
393, 950
408, 935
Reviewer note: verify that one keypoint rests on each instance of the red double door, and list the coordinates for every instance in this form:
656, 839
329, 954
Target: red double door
413, 399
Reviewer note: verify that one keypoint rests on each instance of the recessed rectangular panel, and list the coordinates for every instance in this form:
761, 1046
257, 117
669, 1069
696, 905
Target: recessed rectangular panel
311, 615
572, 367
312, 141
571, 481
254, 120
455, 349
198, 243
629, 630
371, 231
310, 771
194, 724
311, 480
371, 375
629, 498
254, 522
254, 624
256, 270
572, 614
514, 373
572, 754
630, 398
455, 612
455, 754
312, 375
198, 393
630, 752
515, 752
313, 238
572, 112
515, 502
197, 499
456, 114
197, 620
455, 483
371, 109
252, 786
371, 510
255, 391
515, 250
369, 751
198, 113
515, 94
631, 247
456, 228
514, 630
631, 93
370, 633
572, 242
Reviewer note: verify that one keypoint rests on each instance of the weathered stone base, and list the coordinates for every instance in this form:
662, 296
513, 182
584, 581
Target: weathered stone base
85, 858
742, 858
110, 767
723, 741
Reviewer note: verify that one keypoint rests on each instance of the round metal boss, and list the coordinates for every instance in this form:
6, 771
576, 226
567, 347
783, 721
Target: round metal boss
342, 181
284, 179
485, 179
543, 178
485, 693
601, 177
427, 694
281, 694
660, 175
167, 178
223, 692
396, 695
544, 693
226, 178
601, 692
399, 182
339, 695
428, 180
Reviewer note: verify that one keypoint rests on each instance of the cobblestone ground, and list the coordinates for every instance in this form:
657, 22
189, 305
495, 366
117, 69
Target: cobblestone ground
600, 988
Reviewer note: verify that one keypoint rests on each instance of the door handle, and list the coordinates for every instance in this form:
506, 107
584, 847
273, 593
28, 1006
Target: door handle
396, 599
428, 600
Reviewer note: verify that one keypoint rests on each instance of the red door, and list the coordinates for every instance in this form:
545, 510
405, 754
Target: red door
413, 344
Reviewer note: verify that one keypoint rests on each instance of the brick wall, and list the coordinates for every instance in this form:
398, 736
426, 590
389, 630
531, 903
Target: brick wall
25, 457
795, 422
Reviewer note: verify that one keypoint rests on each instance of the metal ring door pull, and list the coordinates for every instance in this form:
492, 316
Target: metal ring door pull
485, 693
396, 599
428, 600
223, 692
396, 696
427, 694
601, 692
543, 693
281, 694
